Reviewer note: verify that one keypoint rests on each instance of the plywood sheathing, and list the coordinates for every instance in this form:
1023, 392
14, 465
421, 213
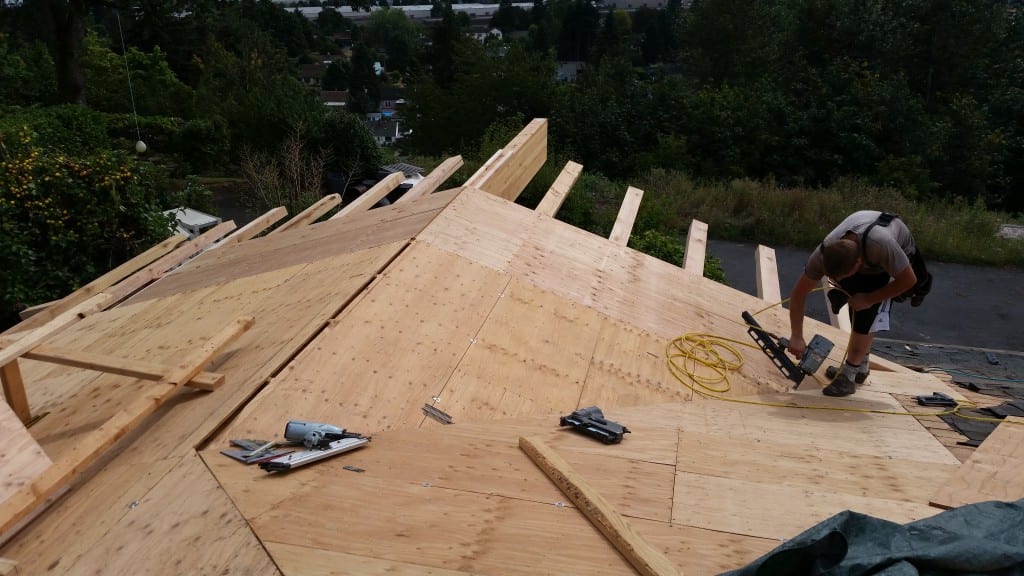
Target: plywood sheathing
624, 284
306, 244
711, 484
186, 524
291, 305
994, 472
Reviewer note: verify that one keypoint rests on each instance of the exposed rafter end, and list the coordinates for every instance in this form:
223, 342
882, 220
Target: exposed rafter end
627, 216
558, 191
696, 248
767, 274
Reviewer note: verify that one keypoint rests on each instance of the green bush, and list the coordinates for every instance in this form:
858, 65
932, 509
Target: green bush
65, 219
204, 143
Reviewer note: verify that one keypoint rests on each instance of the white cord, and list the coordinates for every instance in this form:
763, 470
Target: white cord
124, 50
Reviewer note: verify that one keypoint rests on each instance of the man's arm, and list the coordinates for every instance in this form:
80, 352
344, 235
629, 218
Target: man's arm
797, 305
904, 280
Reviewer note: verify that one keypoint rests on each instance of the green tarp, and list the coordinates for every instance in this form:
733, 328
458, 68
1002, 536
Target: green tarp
985, 538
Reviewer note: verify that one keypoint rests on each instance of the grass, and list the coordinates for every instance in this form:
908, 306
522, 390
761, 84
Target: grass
762, 212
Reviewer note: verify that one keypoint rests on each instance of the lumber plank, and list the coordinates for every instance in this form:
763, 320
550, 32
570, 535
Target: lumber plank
14, 349
99, 284
253, 228
33, 310
309, 215
517, 163
91, 446
14, 390
994, 472
767, 274
370, 197
641, 555
559, 190
434, 180
696, 247
8, 567
113, 365
623, 226
486, 169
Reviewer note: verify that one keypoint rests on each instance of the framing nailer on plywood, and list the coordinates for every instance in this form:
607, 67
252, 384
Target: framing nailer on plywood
817, 350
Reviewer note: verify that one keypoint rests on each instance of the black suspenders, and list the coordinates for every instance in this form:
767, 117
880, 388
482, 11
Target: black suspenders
884, 219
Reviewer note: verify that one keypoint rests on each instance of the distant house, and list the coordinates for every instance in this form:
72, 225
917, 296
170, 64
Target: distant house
566, 71
392, 100
483, 35
312, 74
334, 97
385, 131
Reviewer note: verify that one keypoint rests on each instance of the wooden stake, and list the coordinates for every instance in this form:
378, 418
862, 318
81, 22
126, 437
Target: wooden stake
643, 557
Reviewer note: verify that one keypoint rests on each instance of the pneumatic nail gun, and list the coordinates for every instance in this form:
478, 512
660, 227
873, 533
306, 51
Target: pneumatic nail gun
775, 347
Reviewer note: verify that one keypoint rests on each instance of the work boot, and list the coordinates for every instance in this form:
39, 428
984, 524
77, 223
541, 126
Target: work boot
843, 384
862, 371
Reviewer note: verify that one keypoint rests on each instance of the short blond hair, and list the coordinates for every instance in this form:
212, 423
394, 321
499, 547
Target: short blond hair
839, 257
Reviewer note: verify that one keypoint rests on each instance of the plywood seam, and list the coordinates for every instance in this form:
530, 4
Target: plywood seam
203, 442
466, 350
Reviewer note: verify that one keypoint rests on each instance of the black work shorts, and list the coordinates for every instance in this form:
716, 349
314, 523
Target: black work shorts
861, 284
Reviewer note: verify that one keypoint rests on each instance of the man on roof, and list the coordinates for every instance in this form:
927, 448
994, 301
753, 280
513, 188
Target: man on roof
871, 260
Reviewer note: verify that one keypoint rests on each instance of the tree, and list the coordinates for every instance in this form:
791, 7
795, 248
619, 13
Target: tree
392, 32
363, 84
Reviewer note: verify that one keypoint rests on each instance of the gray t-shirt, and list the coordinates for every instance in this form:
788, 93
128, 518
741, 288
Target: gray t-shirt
888, 248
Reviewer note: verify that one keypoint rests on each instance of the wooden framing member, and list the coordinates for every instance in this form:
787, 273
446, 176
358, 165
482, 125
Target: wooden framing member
767, 274
112, 365
604, 517
105, 281
558, 191
12, 349
993, 472
696, 248
371, 196
14, 390
310, 215
508, 172
93, 445
434, 180
627, 216
253, 228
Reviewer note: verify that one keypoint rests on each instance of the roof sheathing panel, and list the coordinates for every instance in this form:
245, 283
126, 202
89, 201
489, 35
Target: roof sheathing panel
327, 239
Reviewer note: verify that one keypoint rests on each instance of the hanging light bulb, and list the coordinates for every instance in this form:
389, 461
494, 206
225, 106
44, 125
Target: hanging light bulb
140, 146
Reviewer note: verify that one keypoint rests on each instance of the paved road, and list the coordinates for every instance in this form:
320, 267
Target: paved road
969, 306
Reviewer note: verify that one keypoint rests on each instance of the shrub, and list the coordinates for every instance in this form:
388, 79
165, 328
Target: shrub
64, 219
